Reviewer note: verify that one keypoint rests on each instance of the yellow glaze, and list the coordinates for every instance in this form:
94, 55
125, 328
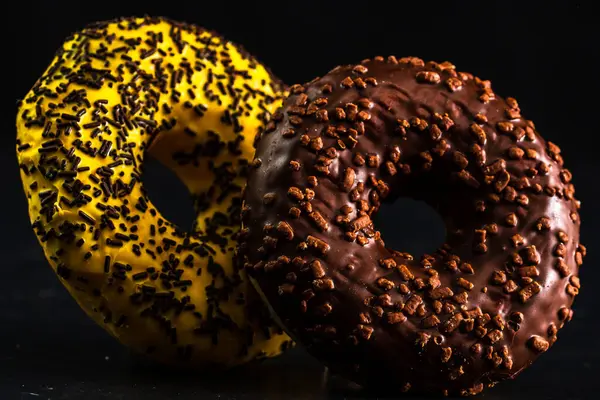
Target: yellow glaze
114, 93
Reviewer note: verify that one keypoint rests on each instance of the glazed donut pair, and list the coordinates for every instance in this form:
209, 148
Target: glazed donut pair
478, 310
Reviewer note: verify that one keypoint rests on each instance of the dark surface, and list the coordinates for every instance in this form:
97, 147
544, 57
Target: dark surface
539, 52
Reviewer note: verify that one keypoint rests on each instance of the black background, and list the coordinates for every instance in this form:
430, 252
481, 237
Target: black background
544, 53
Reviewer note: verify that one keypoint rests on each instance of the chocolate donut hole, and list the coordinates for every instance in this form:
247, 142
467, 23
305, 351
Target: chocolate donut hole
410, 225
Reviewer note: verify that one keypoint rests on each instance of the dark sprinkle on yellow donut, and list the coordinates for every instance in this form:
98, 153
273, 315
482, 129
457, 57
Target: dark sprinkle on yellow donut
114, 93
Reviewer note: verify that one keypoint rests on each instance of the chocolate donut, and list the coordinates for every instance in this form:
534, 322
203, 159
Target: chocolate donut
479, 309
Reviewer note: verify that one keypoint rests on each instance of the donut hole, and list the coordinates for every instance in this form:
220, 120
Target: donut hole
168, 194
410, 225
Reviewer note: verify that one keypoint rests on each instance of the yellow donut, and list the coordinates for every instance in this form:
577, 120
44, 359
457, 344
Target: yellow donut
115, 92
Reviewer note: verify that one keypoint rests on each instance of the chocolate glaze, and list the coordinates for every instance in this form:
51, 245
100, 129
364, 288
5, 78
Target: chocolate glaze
478, 310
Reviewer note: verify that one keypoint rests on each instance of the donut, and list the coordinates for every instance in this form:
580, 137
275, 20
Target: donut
476, 311
116, 92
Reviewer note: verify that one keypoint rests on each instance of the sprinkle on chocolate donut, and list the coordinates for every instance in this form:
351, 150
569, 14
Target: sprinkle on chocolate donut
479, 309
114, 93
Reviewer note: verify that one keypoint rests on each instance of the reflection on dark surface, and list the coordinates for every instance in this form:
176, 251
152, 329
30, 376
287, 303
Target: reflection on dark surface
50, 350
